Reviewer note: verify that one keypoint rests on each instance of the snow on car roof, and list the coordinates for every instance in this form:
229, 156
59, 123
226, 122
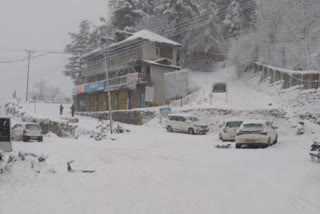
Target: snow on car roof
254, 122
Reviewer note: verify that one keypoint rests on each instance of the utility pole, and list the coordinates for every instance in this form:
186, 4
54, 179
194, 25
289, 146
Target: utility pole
109, 92
29, 59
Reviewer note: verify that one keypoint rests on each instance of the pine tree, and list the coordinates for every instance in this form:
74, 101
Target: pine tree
79, 45
233, 22
178, 10
128, 13
206, 35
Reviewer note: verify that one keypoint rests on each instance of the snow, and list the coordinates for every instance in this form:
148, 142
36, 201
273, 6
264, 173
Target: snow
240, 95
295, 101
169, 173
147, 35
149, 170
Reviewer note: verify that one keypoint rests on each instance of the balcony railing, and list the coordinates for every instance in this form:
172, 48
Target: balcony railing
128, 80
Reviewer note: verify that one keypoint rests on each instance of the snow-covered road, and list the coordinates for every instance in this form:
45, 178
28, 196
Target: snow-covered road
151, 171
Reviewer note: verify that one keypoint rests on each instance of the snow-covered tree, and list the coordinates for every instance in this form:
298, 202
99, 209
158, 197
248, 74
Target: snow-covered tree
78, 46
206, 35
156, 24
178, 10
233, 22
128, 13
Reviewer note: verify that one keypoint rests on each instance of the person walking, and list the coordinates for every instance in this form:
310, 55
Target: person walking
72, 110
61, 109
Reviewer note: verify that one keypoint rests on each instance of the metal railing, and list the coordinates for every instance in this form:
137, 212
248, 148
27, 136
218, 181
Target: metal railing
128, 79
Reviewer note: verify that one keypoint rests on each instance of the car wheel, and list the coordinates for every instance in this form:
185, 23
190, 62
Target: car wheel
25, 139
191, 131
276, 140
221, 137
238, 146
40, 139
169, 129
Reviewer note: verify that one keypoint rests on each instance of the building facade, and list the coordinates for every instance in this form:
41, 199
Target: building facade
132, 67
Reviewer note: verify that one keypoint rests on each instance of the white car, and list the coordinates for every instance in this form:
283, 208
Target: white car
26, 132
256, 133
229, 128
185, 123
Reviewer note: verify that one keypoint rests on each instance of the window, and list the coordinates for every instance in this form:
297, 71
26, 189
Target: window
182, 119
234, 124
33, 127
193, 119
164, 51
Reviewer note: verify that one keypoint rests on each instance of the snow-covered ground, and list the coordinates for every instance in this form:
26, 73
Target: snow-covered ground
166, 173
148, 170
240, 95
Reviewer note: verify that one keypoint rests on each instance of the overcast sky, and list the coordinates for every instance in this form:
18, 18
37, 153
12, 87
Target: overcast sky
40, 24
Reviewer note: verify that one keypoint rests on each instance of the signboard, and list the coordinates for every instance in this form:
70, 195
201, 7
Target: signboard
149, 94
5, 135
165, 111
95, 86
176, 84
80, 89
132, 77
219, 87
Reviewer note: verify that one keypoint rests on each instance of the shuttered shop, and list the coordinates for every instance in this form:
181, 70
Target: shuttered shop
135, 99
93, 102
123, 100
102, 101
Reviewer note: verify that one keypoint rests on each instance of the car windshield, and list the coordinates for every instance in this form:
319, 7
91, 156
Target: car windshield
234, 124
193, 119
33, 127
252, 127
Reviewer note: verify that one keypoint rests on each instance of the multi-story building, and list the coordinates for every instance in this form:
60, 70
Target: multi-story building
132, 66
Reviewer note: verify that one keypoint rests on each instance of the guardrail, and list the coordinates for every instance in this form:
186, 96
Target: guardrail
289, 78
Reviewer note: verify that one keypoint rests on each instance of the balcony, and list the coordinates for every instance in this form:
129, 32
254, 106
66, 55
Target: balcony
128, 80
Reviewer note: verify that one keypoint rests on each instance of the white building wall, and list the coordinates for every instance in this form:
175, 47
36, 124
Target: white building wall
157, 79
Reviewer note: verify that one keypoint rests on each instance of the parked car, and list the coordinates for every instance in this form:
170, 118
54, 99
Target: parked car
256, 133
186, 123
229, 128
26, 132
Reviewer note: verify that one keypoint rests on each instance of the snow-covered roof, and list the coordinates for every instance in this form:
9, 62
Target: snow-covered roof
147, 35
159, 64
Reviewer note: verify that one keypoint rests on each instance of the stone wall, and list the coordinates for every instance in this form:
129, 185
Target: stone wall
135, 117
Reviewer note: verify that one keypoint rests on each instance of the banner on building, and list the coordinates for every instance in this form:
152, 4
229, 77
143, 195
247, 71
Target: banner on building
132, 77
176, 84
80, 89
95, 86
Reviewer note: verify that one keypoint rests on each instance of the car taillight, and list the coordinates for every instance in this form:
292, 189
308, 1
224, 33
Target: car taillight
263, 133
225, 130
24, 132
